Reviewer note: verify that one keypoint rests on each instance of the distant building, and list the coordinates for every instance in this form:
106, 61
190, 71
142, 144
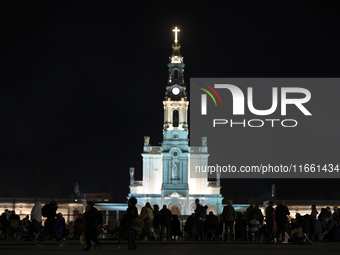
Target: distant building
96, 197
70, 208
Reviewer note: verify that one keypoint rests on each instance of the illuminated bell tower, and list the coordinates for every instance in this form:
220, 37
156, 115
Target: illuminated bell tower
175, 127
175, 146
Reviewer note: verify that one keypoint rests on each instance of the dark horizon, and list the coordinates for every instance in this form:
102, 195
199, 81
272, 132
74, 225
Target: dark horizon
82, 83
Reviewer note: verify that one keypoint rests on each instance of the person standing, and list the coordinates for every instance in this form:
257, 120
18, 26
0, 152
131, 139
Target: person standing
200, 212
240, 227
4, 223
147, 219
90, 222
270, 219
165, 222
156, 221
259, 215
61, 226
212, 224
281, 219
250, 214
49, 211
335, 216
314, 212
78, 228
189, 226
35, 224
254, 228
131, 216
175, 232
229, 216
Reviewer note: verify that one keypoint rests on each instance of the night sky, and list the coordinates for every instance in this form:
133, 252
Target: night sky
83, 82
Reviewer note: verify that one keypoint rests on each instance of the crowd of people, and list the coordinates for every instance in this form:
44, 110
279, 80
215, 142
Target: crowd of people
153, 224
10, 223
315, 226
276, 226
85, 227
279, 226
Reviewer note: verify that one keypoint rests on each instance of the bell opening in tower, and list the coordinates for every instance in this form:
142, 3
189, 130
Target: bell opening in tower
175, 118
175, 75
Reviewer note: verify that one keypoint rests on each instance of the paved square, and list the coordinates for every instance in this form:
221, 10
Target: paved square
173, 248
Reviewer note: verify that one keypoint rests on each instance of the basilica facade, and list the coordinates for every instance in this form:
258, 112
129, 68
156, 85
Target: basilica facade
166, 168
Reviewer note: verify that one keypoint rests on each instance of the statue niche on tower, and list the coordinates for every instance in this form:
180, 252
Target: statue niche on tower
175, 171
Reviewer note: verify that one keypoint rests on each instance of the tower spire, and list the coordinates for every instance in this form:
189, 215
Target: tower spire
176, 86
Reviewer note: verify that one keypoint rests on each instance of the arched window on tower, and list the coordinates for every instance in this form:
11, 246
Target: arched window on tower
175, 74
175, 118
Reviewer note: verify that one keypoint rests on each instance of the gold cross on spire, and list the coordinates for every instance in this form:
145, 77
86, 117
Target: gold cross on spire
176, 30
